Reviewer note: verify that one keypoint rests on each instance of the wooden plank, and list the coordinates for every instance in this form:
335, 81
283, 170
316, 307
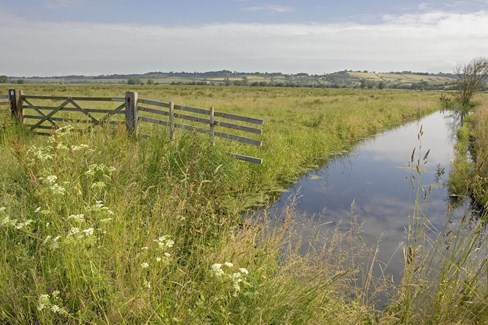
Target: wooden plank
72, 109
192, 118
190, 128
238, 127
82, 98
171, 121
66, 119
151, 120
212, 124
131, 114
4, 103
154, 103
42, 127
239, 138
253, 160
153, 111
240, 118
192, 109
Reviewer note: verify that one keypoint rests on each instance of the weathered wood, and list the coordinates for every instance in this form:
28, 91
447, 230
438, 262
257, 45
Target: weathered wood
151, 120
131, 112
238, 127
190, 128
30, 106
154, 103
72, 109
12, 97
171, 121
192, 109
152, 110
239, 138
79, 98
192, 118
94, 120
48, 116
20, 110
248, 159
239, 118
212, 125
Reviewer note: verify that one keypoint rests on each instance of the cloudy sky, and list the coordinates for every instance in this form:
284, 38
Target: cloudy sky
59, 37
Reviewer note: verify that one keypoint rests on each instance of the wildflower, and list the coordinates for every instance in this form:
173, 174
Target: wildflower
73, 231
89, 231
145, 248
165, 242
145, 265
43, 302
167, 254
243, 271
147, 284
77, 217
55, 309
51, 179
228, 264
37, 210
3, 209
79, 147
217, 270
57, 189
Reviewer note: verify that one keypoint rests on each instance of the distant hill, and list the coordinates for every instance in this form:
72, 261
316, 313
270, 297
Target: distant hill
341, 79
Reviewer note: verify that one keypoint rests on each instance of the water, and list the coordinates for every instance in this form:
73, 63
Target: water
376, 179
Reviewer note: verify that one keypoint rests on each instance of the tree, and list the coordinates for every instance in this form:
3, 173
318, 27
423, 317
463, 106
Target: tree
3, 79
470, 78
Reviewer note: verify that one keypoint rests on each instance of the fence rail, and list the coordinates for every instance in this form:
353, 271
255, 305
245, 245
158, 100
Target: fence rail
4, 100
50, 112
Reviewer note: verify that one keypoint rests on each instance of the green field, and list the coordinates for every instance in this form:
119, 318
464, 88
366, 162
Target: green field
107, 229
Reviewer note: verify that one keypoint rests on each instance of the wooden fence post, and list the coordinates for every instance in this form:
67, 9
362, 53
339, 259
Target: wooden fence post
15, 99
131, 114
212, 124
171, 121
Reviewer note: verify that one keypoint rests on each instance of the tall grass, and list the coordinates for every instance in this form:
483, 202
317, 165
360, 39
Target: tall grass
103, 228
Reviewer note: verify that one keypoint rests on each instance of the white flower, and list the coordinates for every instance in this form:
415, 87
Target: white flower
57, 189
217, 270
3, 209
21, 225
145, 265
243, 270
73, 231
89, 231
43, 301
55, 309
167, 254
158, 259
228, 264
77, 217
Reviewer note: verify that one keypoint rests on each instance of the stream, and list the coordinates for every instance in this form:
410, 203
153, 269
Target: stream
373, 183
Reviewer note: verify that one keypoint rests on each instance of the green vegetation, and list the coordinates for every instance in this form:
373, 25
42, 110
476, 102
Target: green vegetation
103, 228
340, 79
469, 176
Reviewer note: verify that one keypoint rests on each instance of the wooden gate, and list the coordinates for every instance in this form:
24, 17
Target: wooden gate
44, 114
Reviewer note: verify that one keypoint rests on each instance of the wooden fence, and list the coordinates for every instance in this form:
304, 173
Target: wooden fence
44, 114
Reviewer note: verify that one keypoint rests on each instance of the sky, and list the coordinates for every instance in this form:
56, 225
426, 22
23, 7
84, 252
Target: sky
93, 37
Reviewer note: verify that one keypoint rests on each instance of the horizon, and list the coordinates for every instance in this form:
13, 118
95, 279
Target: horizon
92, 38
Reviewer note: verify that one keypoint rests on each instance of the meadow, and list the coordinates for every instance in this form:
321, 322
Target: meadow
105, 228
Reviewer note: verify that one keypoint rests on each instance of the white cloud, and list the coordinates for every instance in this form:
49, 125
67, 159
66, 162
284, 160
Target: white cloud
270, 8
426, 42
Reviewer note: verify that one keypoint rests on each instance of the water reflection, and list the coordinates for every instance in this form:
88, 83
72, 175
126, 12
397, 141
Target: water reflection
377, 179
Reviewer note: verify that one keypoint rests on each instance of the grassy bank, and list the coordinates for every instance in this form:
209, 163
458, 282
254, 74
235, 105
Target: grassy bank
100, 228
470, 170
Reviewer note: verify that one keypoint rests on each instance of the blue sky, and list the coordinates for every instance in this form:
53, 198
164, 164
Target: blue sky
53, 37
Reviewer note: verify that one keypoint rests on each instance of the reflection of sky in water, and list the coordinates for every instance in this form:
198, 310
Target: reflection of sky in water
375, 177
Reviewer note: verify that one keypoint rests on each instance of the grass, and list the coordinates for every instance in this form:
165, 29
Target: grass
101, 228
470, 171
